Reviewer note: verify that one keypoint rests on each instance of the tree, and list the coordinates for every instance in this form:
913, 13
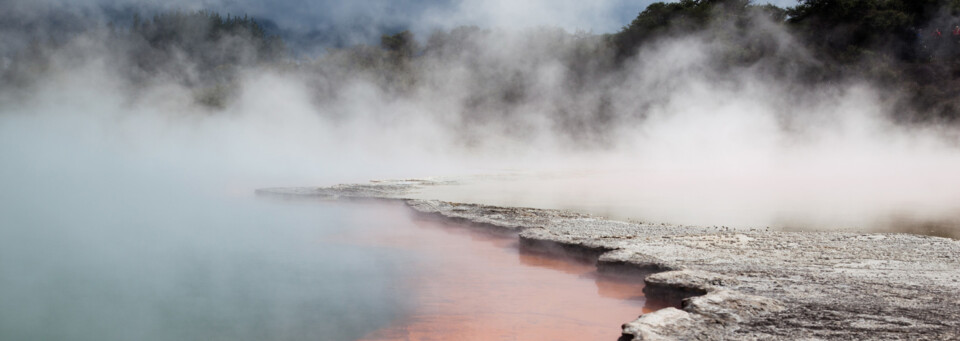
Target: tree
401, 43
660, 20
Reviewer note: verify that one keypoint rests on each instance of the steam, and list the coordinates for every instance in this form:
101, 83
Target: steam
129, 188
692, 142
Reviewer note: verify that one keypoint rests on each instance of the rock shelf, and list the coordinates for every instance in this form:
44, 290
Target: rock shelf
734, 284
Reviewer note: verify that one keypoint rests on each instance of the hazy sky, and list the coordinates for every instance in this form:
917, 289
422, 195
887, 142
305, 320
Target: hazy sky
599, 16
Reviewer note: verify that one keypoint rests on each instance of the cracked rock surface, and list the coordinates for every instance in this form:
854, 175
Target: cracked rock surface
742, 285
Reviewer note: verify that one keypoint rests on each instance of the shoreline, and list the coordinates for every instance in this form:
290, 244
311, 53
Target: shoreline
735, 284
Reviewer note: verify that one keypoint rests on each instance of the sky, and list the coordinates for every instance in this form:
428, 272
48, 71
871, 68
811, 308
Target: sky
601, 16
309, 27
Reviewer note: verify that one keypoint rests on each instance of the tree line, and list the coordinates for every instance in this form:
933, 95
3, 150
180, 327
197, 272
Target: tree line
907, 45
214, 45
892, 43
911, 46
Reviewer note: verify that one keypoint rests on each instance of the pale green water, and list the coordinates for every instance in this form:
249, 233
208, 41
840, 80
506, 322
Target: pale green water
109, 235
120, 259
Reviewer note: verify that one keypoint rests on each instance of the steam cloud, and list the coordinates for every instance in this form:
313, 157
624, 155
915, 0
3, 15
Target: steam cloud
694, 142
124, 185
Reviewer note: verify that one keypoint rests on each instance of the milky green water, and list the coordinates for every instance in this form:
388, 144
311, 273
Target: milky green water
82, 262
103, 240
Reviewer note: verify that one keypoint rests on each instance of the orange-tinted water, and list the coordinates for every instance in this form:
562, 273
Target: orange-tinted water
473, 284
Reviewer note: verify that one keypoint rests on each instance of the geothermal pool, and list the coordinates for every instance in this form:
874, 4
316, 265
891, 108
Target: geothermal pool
123, 259
471, 283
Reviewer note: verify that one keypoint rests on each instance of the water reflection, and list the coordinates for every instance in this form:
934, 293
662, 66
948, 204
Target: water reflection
474, 284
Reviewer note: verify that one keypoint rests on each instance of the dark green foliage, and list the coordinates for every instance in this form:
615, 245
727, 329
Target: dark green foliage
890, 42
201, 50
661, 20
842, 24
208, 37
746, 33
776, 14
886, 42
402, 43
895, 26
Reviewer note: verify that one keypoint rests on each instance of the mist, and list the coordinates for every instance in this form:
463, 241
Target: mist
751, 144
111, 167
135, 219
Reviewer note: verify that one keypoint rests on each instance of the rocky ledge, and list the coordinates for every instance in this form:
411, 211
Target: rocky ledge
736, 284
